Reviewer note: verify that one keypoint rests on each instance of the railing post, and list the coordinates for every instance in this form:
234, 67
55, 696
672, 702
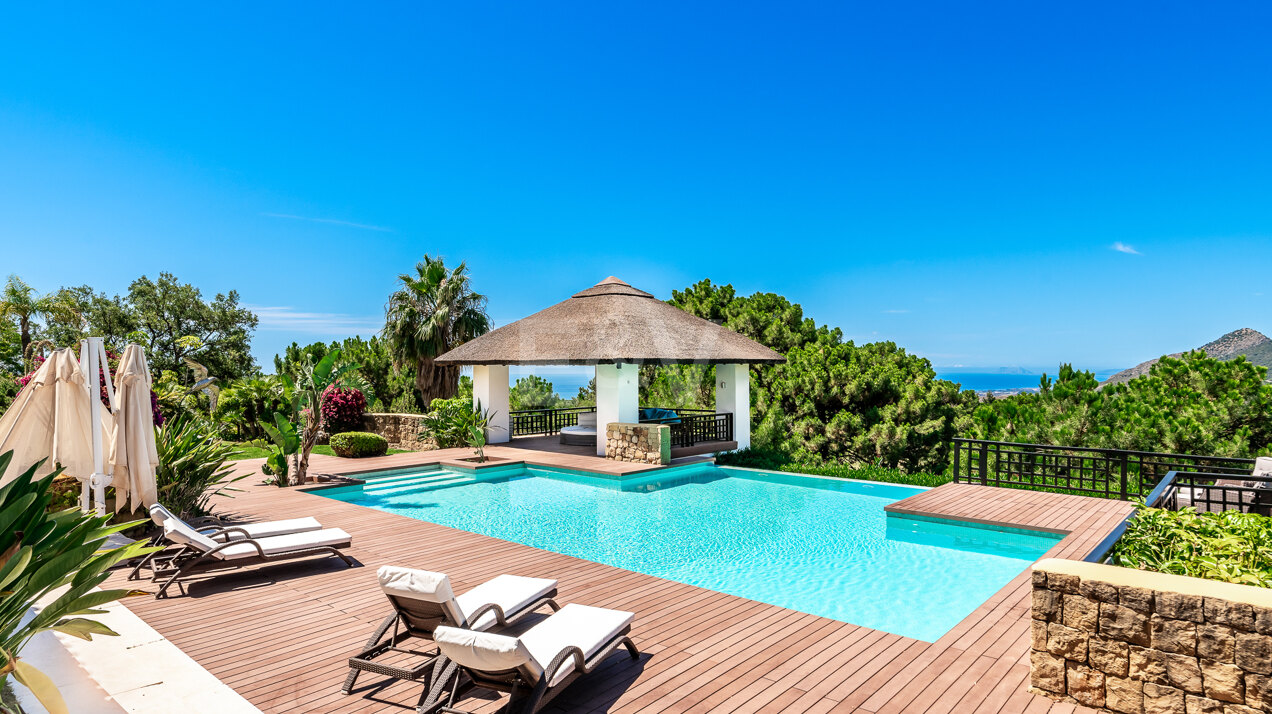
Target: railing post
1123, 491
984, 463
957, 448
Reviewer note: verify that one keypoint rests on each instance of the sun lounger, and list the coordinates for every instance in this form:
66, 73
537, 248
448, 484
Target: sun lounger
423, 600
536, 666
200, 553
219, 532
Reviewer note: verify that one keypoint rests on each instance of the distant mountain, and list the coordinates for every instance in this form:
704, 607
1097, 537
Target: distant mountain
1254, 345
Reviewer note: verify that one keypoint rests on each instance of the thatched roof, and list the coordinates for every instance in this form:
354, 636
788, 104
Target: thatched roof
611, 322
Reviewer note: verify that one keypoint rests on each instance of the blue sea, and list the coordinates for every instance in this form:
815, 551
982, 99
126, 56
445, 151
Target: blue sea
567, 383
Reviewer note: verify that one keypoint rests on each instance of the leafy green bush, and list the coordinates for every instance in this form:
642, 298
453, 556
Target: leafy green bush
40, 552
1231, 546
775, 460
448, 422
192, 465
359, 444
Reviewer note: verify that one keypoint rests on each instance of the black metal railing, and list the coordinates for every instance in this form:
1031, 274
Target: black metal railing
1200, 490
1108, 473
688, 426
701, 426
528, 422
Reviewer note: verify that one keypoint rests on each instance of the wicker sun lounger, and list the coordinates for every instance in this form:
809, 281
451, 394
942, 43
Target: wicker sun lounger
217, 531
535, 667
423, 600
200, 553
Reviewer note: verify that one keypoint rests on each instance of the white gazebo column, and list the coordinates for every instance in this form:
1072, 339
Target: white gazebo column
490, 389
617, 398
733, 396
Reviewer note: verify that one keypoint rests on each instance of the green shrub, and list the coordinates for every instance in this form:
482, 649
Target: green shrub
192, 465
1230, 546
359, 444
774, 460
449, 422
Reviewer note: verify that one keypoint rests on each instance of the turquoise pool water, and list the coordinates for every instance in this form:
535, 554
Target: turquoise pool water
821, 546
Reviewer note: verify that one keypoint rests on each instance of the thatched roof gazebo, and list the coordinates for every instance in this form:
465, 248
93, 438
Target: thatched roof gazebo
613, 326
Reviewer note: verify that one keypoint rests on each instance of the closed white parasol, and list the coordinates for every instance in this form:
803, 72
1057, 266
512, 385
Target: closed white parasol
133, 457
51, 419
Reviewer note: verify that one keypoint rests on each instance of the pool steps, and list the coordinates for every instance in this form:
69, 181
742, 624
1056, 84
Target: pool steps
427, 481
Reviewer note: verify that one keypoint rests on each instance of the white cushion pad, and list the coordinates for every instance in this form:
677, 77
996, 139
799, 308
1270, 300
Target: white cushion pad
177, 531
279, 545
511, 593
424, 585
269, 529
484, 651
579, 430
587, 628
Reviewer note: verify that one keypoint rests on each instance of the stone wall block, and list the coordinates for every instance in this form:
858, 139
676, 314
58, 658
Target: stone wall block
1178, 606
1234, 614
1125, 696
1138, 599
1046, 672
1163, 700
1176, 636
1080, 613
1201, 705
1216, 642
1263, 620
1224, 682
1046, 605
1063, 583
1108, 656
1123, 623
1254, 652
1067, 642
1084, 684
1098, 591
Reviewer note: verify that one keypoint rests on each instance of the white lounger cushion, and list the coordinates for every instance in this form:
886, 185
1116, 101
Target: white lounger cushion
279, 545
509, 592
486, 652
264, 529
588, 628
178, 532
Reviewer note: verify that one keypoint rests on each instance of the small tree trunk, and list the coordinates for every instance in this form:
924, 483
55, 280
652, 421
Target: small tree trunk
313, 425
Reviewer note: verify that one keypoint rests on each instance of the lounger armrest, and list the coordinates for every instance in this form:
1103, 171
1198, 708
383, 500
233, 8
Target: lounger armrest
217, 534
477, 614
580, 662
259, 550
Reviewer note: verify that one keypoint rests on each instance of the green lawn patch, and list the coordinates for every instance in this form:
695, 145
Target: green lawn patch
256, 450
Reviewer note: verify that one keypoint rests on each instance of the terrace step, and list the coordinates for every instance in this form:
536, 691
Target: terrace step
382, 480
420, 482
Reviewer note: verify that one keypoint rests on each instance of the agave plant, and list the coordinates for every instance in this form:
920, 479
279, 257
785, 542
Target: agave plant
192, 465
41, 552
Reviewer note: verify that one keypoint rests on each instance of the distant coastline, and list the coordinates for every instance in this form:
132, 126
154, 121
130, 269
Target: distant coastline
999, 383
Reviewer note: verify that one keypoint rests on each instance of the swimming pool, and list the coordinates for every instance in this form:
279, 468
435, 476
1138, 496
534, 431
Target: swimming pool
821, 546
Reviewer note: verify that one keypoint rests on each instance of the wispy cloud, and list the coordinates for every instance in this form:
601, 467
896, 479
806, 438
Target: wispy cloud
895, 312
289, 319
1124, 248
329, 221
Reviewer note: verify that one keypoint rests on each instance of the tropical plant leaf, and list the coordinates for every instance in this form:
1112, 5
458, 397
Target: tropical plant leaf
83, 628
41, 686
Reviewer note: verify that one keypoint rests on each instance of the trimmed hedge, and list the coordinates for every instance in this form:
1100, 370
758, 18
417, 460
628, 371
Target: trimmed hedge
359, 444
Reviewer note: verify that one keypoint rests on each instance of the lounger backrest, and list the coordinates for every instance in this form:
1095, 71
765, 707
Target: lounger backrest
423, 599
177, 531
1263, 469
483, 653
159, 514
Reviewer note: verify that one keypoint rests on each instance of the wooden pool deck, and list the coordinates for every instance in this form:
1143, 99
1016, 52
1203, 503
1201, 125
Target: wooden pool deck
280, 635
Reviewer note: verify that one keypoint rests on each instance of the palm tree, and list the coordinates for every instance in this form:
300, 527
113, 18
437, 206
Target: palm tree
19, 301
432, 312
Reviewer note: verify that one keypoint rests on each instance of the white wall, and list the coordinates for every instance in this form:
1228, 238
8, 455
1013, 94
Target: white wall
490, 389
733, 395
617, 398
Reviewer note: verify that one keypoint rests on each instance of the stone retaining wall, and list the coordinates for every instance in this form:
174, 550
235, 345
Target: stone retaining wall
401, 430
638, 443
1134, 642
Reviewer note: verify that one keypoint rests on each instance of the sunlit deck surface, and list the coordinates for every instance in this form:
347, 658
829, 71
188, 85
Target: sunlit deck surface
280, 635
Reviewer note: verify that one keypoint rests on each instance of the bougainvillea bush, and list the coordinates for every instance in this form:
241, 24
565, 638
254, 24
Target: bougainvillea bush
342, 409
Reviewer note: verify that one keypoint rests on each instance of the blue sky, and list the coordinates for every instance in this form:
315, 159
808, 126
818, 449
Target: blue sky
953, 177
